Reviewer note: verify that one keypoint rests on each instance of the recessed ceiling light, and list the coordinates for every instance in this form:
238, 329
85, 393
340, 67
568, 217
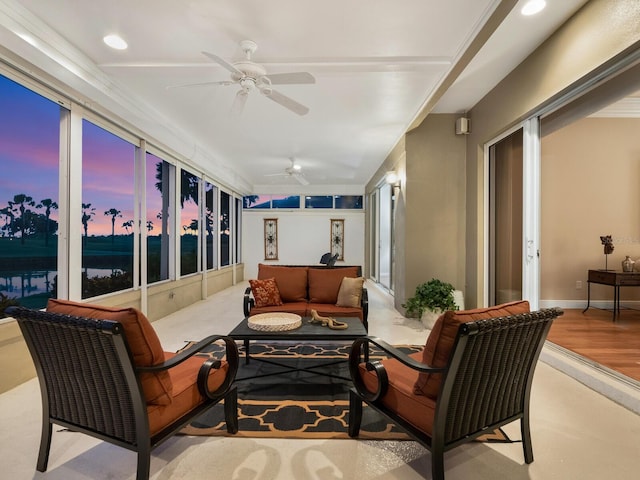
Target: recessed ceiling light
115, 41
533, 6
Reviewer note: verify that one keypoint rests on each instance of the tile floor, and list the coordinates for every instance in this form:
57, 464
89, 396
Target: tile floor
577, 433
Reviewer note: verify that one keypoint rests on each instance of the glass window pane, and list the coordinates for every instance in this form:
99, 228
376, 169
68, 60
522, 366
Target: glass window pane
256, 201
348, 201
211, 194
107, 207
189, 215
29, 157
318, 201
238, 231
225, 211
284, 201
160, 188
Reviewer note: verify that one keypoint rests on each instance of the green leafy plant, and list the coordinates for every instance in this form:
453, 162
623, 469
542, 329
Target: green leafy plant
433, 295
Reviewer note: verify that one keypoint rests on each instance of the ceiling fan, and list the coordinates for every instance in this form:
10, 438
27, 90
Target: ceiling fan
294, 171
252, 76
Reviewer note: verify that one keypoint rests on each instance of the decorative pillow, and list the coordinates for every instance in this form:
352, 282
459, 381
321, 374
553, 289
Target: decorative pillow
439, 345
265, 292
324, 283
142, 339
350, 292
291, 281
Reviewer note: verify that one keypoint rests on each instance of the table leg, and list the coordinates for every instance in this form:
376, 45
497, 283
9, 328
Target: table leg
616, 301
588, 296
247, 358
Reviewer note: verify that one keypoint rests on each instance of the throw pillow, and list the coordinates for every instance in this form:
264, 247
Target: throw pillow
265, 292
350, 292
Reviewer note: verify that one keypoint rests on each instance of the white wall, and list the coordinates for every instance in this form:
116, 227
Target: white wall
303, 236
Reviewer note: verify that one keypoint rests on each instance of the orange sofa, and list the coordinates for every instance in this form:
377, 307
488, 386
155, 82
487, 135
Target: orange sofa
301, 288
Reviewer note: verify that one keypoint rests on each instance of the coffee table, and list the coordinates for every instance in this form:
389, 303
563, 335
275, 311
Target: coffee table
310, 332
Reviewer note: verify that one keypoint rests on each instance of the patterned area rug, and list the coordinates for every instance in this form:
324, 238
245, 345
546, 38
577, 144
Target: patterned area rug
299, 404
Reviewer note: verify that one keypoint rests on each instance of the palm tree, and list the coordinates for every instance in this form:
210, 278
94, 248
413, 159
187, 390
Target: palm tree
49, 205
22, 201
149, 225
87, 212
127, 225
113, 212
8, 219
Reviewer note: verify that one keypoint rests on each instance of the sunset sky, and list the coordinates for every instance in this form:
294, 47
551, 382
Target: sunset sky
29, 157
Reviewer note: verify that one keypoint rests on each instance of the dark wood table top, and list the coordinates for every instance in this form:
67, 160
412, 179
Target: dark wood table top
307, 331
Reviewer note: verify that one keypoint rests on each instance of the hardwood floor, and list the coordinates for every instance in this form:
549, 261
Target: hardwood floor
594, 335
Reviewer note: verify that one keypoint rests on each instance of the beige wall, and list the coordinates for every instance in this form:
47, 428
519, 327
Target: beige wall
433, 204
591, 184
601, 31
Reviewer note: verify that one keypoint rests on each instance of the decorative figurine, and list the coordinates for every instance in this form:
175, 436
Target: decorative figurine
607, 241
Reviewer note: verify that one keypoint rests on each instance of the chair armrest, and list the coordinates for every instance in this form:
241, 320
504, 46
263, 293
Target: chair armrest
356, 357
364, 304
231, 354
248, 302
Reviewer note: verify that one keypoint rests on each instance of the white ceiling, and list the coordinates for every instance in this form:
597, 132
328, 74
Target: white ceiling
376, 63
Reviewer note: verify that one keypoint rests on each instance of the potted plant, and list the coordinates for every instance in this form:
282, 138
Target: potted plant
430, 300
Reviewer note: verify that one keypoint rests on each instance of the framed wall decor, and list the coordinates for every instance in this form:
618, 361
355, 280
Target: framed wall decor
271, 239
337, 237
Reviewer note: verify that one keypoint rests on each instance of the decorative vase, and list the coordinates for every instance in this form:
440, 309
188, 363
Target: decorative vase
627, 264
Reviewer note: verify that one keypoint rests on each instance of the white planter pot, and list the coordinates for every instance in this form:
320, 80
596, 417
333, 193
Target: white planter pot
429, 317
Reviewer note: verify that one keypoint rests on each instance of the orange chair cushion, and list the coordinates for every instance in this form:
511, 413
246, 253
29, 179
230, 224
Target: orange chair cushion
265, 292
437, 350
142, 339
418, 410
324, 283
292, 282
185, 395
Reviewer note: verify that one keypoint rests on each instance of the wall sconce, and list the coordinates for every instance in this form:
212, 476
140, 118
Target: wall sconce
392, 179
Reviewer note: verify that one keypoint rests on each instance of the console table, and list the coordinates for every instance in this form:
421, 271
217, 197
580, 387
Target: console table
614, 279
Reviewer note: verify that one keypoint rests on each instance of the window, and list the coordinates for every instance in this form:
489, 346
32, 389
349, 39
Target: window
189, 223
211, 199
238, 231
256, 201
348, 201
107, 211
225, 219
160, 208
29, 158
282, 201
318, 201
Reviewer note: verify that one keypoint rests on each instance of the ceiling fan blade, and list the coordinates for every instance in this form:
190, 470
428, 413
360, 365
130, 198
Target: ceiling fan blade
223, 62
238, 102
286, 102
300, 178
293, 78
203, 84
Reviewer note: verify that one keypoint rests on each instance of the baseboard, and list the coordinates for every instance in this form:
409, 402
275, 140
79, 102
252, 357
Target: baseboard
582, 304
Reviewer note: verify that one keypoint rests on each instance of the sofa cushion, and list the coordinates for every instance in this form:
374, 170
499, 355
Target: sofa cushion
330, 310
299, 308
324, 283
291, 281
350, 292
142, 339
265, 292
418, 410
440, 342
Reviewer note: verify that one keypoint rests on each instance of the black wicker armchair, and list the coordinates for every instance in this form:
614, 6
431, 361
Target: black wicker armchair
473, 376
93, 379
